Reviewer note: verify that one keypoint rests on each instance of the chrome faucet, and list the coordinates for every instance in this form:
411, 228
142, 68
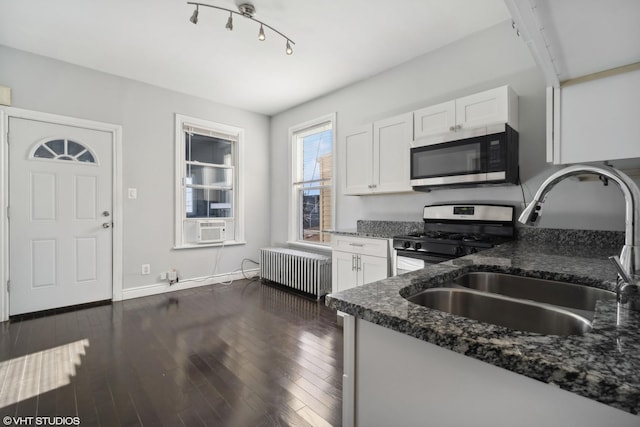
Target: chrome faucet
630, 255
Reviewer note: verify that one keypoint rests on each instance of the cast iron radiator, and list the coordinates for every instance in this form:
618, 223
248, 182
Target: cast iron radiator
303, 271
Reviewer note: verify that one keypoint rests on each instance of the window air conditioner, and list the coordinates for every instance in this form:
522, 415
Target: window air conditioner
210, 231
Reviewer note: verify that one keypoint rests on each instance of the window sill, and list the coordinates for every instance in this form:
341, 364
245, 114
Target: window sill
311, 246
211, 245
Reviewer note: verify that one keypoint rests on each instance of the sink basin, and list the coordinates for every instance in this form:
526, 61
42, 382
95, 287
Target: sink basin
564, 294
503, 311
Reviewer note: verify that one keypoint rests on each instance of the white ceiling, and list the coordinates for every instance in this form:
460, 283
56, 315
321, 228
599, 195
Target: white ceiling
588, 36
337, 42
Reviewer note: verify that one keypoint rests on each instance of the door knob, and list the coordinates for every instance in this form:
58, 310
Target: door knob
106, 225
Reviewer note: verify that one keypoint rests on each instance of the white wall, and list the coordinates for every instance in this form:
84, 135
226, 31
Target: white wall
146, 114
488, 59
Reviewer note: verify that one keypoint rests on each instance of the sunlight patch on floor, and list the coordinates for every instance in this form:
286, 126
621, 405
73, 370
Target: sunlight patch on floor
36, 373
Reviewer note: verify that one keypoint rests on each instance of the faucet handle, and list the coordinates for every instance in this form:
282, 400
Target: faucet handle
615, 260
627, 292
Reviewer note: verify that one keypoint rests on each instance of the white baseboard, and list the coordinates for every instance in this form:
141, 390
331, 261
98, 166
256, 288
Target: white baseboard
160, 288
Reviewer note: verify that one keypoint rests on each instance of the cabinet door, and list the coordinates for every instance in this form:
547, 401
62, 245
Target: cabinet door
599, 119
434, 120
358, 161
344, 272
373, 268
481, 109
392, 140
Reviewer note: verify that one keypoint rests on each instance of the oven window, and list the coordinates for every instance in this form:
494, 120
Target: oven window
446, 159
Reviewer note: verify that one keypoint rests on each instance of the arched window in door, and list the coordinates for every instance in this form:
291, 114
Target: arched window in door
63, 149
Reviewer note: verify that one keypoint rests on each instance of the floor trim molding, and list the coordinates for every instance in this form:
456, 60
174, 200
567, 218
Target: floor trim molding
163, 287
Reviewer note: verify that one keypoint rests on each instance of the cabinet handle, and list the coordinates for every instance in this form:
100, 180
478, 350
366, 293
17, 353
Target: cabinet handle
359, 263
458, 127
353, 262
356, 244
452, 128
374, 186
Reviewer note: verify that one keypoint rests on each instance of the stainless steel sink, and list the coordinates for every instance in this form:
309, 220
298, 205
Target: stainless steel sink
563, 294
503, 311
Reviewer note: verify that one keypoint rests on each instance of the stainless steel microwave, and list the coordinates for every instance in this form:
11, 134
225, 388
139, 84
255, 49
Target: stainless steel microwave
487, 159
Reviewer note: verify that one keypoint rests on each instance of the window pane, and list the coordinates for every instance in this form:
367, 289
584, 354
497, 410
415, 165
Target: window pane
316, 156
202, 203
73, 148
316, 214
207, 175
207, 149
43, 153
86, 157
57, 145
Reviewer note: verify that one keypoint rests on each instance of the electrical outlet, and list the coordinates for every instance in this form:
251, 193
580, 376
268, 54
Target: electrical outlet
146, 269
163, 275
132, 193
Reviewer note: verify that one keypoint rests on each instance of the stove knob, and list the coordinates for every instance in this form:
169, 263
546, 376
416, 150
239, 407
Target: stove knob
406, 245
418, 245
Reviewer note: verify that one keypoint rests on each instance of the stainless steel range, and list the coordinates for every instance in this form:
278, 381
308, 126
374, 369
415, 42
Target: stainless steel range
452, 231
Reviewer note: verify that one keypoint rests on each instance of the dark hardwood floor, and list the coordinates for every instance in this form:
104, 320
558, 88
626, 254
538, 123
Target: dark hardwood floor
245, 354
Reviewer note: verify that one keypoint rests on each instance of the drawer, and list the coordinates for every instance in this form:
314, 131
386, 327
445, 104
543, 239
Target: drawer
361, 245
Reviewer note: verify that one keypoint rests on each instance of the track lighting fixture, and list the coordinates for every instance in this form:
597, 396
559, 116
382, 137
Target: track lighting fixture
247, 10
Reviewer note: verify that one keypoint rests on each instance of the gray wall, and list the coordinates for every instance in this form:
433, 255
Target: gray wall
488, 59
146, 114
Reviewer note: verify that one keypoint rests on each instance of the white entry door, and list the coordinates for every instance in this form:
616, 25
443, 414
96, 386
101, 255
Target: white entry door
60, 215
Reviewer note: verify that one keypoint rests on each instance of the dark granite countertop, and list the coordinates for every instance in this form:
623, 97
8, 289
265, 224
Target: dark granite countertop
354, 233
603, 364
380, 229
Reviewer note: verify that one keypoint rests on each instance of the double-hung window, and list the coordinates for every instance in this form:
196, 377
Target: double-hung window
207, 182
312, 190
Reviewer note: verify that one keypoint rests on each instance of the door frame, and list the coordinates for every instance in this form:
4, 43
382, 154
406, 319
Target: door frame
118, 229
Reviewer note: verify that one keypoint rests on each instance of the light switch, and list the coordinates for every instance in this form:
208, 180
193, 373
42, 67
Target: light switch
5, 95
133, 193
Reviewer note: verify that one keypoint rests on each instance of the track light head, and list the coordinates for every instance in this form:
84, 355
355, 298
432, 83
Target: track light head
289, 50
194, 17
229, 25
261, 35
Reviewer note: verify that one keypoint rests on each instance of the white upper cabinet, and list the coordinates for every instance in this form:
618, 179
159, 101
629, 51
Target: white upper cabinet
493, 106
358, 160
599, 120
376, 157
437, 119
392, 139
467, 116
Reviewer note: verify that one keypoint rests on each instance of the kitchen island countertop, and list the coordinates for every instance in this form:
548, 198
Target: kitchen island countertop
603, 364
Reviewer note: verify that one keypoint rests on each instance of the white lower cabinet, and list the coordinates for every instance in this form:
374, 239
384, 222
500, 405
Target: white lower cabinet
357, 261
404, 381
344, 275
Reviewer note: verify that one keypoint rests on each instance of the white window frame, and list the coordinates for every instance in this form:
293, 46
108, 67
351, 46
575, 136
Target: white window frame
238, 188
294, 218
